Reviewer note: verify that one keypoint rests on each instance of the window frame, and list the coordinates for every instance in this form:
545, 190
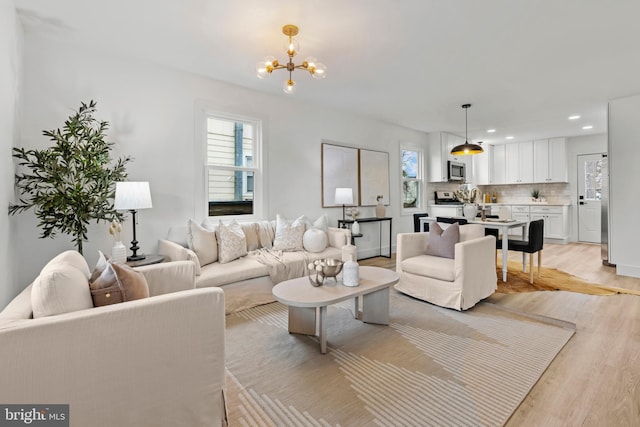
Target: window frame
201, 192
421, 206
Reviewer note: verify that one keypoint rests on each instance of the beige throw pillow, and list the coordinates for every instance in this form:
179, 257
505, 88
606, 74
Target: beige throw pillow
251, 232
203, 242
288, 235
267, 234
231, 241
61, 286
442, 242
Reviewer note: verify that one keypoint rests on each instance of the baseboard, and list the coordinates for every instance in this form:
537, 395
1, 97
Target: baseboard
627, 270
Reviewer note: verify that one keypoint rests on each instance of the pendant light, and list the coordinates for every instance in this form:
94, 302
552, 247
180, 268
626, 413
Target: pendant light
466, 148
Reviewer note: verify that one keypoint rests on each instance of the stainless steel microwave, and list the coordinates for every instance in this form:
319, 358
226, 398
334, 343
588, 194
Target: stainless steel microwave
457, 171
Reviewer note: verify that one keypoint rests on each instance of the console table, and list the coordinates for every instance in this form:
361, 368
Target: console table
373, 219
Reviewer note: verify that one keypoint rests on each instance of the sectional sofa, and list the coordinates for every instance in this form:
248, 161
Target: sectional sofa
264, 253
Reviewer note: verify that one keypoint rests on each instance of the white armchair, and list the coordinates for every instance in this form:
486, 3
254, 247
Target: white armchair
457, 283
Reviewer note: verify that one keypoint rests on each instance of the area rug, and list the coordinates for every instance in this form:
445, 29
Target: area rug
430, 366
551, 279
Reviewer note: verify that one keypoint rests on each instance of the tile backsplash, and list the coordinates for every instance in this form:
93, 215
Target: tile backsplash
556, 193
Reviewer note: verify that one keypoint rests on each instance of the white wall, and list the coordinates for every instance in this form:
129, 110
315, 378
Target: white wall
151, 110
624, 174
577, 145
10, 63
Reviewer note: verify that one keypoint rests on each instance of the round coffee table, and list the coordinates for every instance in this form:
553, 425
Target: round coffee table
307, 303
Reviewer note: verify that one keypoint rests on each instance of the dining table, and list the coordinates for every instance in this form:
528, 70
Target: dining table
503, 225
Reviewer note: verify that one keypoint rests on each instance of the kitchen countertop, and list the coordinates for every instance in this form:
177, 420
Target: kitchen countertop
431, 203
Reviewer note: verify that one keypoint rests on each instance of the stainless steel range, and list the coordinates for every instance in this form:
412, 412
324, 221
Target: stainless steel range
446, 198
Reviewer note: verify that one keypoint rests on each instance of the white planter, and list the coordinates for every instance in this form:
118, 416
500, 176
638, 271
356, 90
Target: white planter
470, 210
355, 228
119, 253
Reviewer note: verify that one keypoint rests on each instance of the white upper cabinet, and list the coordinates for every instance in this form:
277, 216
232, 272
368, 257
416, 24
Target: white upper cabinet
481, 166
519, 162
498, 163
550, 160
439, 152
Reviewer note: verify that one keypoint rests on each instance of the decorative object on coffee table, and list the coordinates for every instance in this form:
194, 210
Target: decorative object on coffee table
324, 269
132, 196
350, 273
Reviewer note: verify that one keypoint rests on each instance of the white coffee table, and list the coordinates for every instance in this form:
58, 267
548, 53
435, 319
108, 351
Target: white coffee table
308, 304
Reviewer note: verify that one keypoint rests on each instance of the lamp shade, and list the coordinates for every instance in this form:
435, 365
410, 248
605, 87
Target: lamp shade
344, 196
132, 195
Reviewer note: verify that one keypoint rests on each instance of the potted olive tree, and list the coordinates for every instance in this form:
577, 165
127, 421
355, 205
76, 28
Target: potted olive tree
72, 182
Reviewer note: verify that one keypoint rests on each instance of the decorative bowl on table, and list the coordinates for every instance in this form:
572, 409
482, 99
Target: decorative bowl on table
322, 269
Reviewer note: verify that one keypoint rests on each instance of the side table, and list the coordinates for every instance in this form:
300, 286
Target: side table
148, 260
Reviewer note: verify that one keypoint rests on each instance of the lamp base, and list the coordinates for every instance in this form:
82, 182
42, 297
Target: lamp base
136, 257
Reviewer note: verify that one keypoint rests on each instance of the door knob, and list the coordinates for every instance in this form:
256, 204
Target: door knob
581, 202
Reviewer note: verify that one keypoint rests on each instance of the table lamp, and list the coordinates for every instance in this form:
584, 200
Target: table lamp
344, 196
132, 196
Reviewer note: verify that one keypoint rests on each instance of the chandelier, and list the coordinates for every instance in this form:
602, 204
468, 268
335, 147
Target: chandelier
265, 67
466, 148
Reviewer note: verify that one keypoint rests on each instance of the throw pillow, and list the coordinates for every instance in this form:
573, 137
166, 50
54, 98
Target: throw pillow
231, 241
252, 234
288, 236
61, 286
442, 242
267, 234
118, 283
101, 264
203, 242
321, 223
314, 240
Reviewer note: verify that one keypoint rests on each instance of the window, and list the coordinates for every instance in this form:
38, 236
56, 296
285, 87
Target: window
232, 172
593, 180
412, 185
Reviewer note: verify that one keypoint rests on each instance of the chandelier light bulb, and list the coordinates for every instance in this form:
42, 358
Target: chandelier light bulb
292, 46
319, 71
289, 87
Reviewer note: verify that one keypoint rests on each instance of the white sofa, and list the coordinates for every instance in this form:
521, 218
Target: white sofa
457, 283
127, 364
246, 281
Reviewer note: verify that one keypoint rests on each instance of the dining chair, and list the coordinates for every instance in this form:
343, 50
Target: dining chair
416, 222
532, 245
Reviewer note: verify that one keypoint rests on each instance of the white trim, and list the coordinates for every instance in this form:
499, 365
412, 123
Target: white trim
201, 207
422, 205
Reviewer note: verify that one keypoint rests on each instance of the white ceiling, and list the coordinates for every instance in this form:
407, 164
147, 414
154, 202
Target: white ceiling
524, 65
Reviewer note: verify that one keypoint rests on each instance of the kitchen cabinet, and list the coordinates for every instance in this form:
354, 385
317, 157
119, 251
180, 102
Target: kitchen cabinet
481, 166
556, 220
519, 213
519, 162
439, 153
550, 160
498, 161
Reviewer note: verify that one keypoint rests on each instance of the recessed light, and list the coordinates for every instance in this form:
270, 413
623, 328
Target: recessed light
587, 127
576, 117
491, 130
509, 137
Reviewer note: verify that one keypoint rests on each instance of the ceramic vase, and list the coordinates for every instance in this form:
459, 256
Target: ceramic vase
470, 210
380, 210
355, 228
119, 253
351, 273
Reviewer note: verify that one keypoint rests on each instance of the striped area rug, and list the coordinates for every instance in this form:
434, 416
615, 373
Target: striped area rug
430, 366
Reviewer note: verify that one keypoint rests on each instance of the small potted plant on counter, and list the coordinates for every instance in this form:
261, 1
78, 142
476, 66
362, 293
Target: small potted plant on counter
535, 195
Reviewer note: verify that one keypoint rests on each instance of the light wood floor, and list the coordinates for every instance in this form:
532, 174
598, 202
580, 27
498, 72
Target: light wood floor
595, 380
